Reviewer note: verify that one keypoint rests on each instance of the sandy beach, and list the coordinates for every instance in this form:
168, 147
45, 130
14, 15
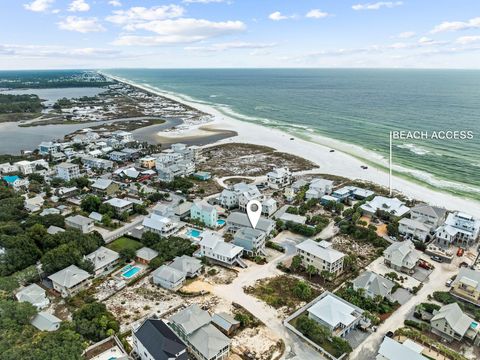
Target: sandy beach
316, 149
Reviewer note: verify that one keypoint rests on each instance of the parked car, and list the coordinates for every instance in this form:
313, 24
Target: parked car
463, 264
436, 258
425, 265
389, 334
460, 252
449, 282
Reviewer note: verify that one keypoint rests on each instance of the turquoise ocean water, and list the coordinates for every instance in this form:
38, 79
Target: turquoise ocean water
355, 106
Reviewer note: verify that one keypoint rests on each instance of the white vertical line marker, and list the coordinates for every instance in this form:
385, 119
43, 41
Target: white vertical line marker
390, 166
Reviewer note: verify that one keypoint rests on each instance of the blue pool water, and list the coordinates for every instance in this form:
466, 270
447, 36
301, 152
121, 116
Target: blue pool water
130, 271
220, 222
194, 233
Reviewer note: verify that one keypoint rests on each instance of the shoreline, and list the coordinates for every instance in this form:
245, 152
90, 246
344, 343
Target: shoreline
341, 162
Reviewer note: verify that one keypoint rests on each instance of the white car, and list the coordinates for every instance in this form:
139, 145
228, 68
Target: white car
449, 282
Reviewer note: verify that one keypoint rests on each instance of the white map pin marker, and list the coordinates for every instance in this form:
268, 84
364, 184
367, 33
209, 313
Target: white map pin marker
254, 210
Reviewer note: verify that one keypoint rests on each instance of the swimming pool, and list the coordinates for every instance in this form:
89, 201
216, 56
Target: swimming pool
194, 233
130, 271
220, 222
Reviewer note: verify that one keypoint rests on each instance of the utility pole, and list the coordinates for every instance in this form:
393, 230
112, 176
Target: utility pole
390, 165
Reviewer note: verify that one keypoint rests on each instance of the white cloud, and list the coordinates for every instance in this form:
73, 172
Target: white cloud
231, 46
115, 3
175, 31
78, 5
38, 5
140, 14
40, 51
377, 5
406, 35
464, 40
79, 24
277, 16
457, 25
317, 14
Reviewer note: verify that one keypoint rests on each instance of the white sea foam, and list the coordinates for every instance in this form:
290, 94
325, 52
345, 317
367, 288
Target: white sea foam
414, 149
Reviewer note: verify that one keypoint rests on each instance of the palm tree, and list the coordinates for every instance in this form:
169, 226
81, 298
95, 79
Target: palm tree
311, 270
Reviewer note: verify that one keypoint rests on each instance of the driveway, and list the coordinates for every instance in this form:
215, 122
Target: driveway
402, 296
436, 282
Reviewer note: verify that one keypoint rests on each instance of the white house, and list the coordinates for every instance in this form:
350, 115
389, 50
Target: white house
70, 280
213, 247
33, 294
452, 323
393, 350
318, 188
190, 266
44, 321
279, 178
169, 277
431, 216
67, 171
321, 255
82, 223
391, 205
460, 229
269, 207
414, 229
103, 260
239, 196
120, 205
373, 285
336, 314
402, 256
160, 225
204, 212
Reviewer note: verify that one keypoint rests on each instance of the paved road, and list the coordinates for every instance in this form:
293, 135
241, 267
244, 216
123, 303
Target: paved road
436, 282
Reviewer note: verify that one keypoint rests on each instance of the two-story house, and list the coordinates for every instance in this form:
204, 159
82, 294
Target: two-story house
321, 255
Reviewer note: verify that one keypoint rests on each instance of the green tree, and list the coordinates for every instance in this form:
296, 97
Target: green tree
311, 270
90, 203
296, 263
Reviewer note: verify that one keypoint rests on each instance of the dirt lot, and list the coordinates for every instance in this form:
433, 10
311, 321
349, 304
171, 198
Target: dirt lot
249, 160
365, 252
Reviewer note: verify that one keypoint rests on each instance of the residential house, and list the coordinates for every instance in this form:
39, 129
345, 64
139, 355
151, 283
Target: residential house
205, 341
225, 323
183, 210
460, 229
118, 156
47, 148
147, 162
120, 205
160, 225
123, 136
95, 216
96, 163
269, 207
431, 216
391, 349
190, 266
239, 196
351, 192
67, 171
452, 323
279, 178
25, 167
155, 340
145, 255
8, 168
293, 218
82, 223
16, 182
321, 255
238, 220
44, 321
318, 188
65, 192
105, 187
466, 285
33, 294
103, 260
373, 285
336, 314
52, 230
169, 277
50, 211
70, 280
34, 204
414, 229
110, 348
402, 256
251, 240
390, 205
204, 212
213, 247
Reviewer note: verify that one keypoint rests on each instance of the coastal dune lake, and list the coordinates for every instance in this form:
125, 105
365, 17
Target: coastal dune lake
355, 106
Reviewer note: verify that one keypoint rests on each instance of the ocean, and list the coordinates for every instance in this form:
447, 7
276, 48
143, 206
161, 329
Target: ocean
355, 106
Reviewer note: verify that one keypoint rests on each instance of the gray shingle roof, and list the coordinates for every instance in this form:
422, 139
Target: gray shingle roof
46, 322
376, 284
192, 318
455, 317
70, 276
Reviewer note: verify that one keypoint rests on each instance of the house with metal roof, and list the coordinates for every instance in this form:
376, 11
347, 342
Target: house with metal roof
452, 323
318, 188
251, 240
204, 212
105, 187
193, 325
120, 205
321, 255
103, 260
145, 255
460, 229
33, 294
392, 206
373, 285
431, 216
154, 339
44, 321
70, 280
169, 277
160, 225
52, 230
336, 314
238, 220
225, 322
190, 266
279, 178
414, 229
213, 247
467, 285
402, 256
79, 222
391, 349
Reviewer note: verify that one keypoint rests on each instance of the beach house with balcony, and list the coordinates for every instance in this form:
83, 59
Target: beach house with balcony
321, 255
213, 247
460, 229
451, 323
402, 256
251, 240
70, 280
204, 212
318, 188
160, 225
466, 285
279, 178
392, 206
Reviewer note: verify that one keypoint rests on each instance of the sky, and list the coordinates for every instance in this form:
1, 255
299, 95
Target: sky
95, 34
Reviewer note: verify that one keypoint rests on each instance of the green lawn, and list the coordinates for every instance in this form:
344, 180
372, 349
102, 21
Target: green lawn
124, 243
